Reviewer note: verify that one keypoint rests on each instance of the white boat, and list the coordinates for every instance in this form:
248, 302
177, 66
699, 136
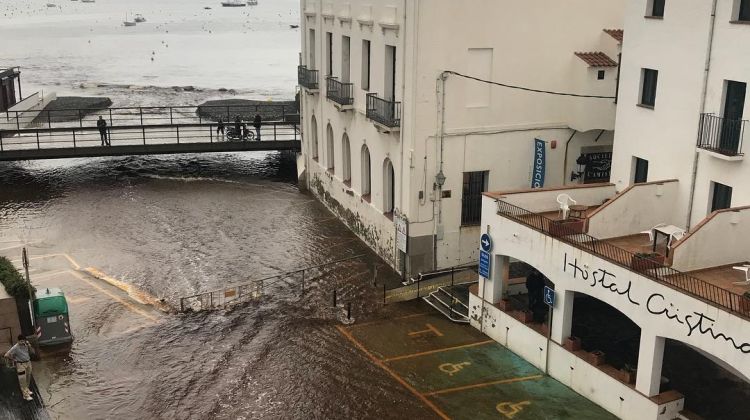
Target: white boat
128, 22
252, 2
233, 3
139, 18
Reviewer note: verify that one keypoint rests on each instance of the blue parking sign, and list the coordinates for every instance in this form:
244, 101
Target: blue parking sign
484, 264
549, 296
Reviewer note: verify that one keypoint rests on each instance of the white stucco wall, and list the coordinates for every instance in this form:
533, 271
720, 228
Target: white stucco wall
647, 303
636, 209
495, 135
589, 381
721, 240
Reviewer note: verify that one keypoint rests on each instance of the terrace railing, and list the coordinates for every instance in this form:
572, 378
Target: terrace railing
307, 78
644, 265
383, 111
339, 92
721, 135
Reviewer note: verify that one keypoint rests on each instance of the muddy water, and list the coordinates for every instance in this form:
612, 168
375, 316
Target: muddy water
174, 226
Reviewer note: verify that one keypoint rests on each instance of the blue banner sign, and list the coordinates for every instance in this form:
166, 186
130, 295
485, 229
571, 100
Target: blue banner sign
540, 163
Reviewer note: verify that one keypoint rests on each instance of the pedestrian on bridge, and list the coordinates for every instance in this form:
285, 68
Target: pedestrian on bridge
20, 355
257, 122
238, 126
102, 126
220, 127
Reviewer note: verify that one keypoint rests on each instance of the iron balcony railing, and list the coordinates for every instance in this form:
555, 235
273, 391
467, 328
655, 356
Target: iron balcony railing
721, 135
647, 267
307, 78
339, 92
383, 111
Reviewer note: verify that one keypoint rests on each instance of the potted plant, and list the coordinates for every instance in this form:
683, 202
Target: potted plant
646, 260
569, 226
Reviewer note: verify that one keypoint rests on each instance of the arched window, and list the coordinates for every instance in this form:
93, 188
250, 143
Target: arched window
389, 186
365, 171
346, 157
330, 161
314, 138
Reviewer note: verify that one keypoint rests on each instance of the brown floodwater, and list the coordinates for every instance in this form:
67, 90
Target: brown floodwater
178, 225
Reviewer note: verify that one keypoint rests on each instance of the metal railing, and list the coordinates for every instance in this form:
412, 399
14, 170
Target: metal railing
645, 265
428, 282
255, 289
385, 112
74, 137
339, 92
721, 135
307, 78
138, 116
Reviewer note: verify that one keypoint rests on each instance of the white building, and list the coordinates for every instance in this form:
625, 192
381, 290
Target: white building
664, 245
390, 137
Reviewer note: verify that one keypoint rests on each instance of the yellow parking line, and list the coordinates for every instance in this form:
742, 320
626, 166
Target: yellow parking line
502, 381
129, 306
425, 353
395, 376
381, 321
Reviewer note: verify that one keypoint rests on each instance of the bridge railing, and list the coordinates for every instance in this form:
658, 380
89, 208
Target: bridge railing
75, 137
138, 116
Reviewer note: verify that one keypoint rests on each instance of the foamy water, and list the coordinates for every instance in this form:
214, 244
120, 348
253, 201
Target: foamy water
84, 49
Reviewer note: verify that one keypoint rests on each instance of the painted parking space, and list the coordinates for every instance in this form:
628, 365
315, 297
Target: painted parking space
415, 334
462, 367
460, 374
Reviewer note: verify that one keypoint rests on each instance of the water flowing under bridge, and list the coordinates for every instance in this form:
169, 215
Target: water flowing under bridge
73, 133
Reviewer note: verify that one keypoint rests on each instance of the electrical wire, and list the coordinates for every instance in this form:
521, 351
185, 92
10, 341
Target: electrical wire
548, 92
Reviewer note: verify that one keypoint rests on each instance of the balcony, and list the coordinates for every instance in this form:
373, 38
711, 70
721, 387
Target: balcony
721, 136
385, 113
699, 264
307, 78
339, 92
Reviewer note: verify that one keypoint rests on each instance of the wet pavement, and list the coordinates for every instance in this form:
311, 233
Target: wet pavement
462, 374
12, 405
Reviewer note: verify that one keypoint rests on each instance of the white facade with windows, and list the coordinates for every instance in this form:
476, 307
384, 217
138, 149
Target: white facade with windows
664, 244
694, 130
381, 135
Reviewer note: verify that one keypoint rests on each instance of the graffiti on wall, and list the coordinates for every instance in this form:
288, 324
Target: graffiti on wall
656, 304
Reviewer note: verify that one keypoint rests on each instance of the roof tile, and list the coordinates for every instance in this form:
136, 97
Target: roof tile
615, 33
596, 59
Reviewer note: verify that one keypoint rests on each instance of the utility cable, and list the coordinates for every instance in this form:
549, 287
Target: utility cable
548, 92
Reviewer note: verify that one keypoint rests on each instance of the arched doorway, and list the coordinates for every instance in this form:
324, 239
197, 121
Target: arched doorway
346, 157
365, 183
389, 186
314, 137
330, 161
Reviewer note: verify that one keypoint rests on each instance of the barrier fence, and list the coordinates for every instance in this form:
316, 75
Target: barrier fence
138, 116
255, 289
73, 137
644, 264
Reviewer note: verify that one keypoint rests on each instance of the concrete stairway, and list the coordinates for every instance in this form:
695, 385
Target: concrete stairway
449, 305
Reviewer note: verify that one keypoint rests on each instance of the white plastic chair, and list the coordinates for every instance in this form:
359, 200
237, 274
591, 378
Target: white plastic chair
746, 269
650, 232
564, 200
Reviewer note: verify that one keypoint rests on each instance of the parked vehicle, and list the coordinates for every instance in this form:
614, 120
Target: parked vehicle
52, 318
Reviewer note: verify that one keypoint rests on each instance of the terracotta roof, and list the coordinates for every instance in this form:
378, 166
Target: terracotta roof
597, 59
615, 33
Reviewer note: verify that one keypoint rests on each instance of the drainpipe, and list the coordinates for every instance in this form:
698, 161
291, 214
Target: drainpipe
565, 161
440, 176
694, 175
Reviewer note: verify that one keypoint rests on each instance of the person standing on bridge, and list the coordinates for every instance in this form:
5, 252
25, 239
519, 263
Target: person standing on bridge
220, 127
102, 126
238, 126
20, 355
257, 122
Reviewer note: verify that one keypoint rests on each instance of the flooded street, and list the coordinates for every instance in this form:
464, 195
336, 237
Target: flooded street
174, 226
